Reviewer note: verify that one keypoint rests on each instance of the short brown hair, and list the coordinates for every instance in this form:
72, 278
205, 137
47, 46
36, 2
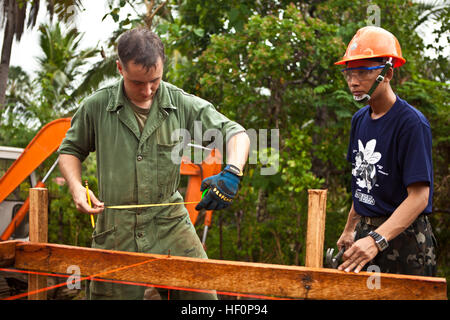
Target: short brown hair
140, 45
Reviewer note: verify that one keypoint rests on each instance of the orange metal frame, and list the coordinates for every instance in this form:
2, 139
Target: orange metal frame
47, 141
210, 166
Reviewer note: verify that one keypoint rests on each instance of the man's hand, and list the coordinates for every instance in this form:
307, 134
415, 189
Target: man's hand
346, 240
222, 187
70, 167
361, 252
81, 202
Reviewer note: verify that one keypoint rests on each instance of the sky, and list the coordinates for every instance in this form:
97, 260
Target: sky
97, 31
89, 22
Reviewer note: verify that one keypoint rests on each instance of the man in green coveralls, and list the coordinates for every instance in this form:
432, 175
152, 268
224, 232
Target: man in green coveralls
130, 126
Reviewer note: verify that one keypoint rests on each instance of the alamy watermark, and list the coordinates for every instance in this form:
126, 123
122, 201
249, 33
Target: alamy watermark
373, 15
261, 151
74, 280
374, 281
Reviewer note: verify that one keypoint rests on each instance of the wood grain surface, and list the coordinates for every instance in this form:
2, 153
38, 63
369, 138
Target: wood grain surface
228, 276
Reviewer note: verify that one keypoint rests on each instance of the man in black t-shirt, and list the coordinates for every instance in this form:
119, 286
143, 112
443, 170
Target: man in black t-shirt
392, 169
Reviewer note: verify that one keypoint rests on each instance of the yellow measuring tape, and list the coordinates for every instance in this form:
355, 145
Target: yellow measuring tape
132, 206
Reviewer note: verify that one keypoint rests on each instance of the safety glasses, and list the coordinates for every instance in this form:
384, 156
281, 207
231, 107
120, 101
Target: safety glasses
360, 73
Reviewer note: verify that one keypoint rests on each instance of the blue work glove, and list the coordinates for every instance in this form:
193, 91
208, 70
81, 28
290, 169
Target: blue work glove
222, 187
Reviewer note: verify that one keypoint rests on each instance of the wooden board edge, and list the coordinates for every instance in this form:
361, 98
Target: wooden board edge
297, 281
8, 252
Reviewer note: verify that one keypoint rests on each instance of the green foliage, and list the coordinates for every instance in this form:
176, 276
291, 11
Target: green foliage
33, 103
275, 70
274, 74
66, 224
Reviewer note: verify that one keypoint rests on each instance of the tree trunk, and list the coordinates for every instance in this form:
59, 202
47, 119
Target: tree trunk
148, 19
60, 227
297, 243
220, 236
238, 216
6, 51
261, 206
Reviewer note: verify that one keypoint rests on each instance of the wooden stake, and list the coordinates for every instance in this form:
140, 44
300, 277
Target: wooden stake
38, 233
315, 233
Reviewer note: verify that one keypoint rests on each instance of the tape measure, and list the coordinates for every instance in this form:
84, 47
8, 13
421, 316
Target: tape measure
133, 206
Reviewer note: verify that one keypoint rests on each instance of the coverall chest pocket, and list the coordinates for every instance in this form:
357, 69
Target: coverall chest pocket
104, 239
169, 160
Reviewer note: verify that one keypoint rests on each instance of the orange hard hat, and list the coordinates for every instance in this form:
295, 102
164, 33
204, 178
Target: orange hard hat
373, 42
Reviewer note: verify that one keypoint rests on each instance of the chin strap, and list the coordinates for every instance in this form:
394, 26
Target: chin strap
366, 97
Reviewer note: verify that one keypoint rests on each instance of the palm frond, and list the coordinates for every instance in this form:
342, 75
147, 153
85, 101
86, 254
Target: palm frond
434, 10
100, 72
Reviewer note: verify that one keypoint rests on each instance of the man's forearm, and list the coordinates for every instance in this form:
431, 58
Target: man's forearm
70, 167
237, 150
352, 220
406, 213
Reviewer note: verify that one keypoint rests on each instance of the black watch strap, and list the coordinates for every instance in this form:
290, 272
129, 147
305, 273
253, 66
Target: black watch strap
380, 241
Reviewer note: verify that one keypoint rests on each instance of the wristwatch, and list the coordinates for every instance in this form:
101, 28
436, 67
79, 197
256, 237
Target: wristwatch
380, 241
235, 170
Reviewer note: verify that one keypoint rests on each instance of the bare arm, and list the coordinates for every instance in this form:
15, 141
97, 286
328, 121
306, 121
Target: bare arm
352, 220
347, 238
407, 211
70, 167
237, 150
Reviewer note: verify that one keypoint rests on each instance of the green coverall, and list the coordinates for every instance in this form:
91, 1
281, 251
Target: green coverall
135, 168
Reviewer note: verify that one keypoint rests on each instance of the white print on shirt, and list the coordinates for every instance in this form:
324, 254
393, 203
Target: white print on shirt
366, 198
365, 169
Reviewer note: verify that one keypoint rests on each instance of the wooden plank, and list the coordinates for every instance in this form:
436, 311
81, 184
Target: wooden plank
230, 276
38, 233
315, 233
8, 252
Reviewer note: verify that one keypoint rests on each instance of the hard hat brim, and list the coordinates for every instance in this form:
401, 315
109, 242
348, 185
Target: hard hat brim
399, 61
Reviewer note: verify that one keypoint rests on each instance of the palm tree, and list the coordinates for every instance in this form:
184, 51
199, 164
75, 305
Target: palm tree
14, 18
61, 64
18, 103
48, 96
